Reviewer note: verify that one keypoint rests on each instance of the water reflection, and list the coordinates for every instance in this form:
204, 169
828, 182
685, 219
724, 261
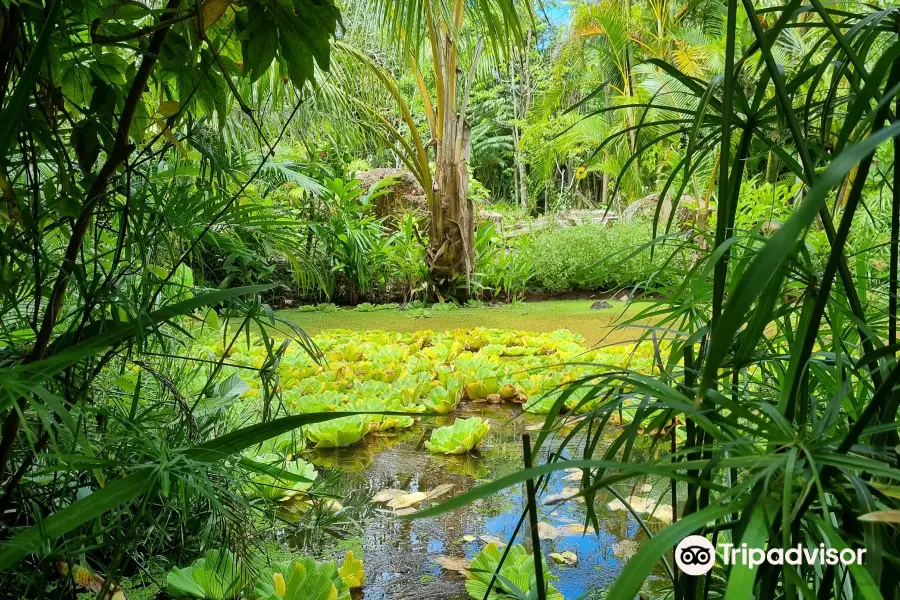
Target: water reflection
400, 556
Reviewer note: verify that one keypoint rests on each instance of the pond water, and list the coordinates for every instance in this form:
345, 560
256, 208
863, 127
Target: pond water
401, 556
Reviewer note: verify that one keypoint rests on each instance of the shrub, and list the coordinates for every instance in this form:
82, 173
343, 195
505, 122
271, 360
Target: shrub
595, 256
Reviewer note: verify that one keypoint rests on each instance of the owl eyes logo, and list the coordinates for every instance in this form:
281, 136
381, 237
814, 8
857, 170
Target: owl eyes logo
695, 555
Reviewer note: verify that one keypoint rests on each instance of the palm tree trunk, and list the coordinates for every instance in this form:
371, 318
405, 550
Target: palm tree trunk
452, 233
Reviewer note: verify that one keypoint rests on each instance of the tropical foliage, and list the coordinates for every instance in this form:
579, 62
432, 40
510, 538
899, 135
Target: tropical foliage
170, 171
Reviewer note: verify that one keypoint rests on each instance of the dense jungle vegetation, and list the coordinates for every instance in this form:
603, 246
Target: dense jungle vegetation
187, 183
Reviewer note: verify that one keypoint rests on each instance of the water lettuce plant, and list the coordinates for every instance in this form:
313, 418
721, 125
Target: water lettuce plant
459, 438
302, 579
277, 478
351, 571
441, 400
515, 579
215, 576
338, 433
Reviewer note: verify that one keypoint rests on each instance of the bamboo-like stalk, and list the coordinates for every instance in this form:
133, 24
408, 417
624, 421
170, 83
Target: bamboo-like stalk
533, 522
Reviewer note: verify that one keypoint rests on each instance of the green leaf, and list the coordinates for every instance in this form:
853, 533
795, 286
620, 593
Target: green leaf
259, 43
636, 570
278, 478
459, 438
236, 441
216, 576
515, 578
740, 581
12, 114
63, 521
299, 61
21, 379
770, 259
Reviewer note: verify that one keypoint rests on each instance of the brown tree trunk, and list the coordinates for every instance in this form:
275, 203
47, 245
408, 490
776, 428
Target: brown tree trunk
451, 244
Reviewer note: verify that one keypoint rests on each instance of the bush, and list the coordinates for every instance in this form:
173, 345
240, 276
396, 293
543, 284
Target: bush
596, 256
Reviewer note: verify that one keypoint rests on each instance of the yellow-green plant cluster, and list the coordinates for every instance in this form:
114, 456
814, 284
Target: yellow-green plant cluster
427, 371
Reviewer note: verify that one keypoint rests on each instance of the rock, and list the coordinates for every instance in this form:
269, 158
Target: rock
600, 305
450, 563
645, 208
567, 493
546, 531
493, 216
387, 495
519, 398
769, 227
405, 196
566, 218
407, 500
568, 558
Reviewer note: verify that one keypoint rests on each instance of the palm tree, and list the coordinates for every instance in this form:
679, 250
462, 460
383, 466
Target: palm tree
447, 33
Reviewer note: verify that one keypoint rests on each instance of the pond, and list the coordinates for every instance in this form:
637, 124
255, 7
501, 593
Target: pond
403, 557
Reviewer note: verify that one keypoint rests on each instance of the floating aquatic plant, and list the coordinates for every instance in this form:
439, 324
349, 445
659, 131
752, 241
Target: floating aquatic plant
516, 577
215, 576
459, 438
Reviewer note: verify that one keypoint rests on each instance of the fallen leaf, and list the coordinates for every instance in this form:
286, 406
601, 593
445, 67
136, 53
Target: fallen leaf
468, 538
404, 511
407, 500
439, 490
882, 516
663, 512
574, 475
648, 506
547, 531
387, 495
576, 529
490, 539
450, 563
567, 558
638, 503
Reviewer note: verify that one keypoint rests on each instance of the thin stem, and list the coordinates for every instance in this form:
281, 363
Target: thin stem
533, 522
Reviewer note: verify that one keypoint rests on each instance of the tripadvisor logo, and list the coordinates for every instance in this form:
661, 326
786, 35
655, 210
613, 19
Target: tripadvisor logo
695, 555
